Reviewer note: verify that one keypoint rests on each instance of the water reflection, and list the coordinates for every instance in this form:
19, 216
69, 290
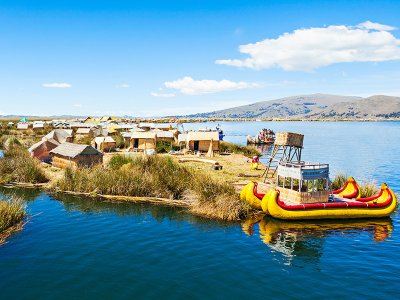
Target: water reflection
159, 213
28, 194
304, 240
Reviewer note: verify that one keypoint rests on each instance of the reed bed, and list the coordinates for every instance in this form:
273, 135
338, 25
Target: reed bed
157, 176
12, 211
339, 181
368, 189
18, 166
234, 148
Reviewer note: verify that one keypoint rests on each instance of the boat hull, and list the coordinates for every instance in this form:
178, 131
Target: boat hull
380, 208
254, 141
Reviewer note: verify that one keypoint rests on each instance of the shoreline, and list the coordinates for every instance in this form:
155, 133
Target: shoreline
173, 119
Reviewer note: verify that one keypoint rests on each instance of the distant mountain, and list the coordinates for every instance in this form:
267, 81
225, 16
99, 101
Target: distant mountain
374, 107
315, 106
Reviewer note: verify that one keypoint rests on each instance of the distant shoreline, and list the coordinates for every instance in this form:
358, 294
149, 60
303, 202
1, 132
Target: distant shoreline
203, 120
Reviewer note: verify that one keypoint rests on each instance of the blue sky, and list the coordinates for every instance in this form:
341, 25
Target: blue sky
145, 58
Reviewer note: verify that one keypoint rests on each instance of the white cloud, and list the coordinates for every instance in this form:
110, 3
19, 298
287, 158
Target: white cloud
57, 85
375, 26
188, 86
77, 105
164, 95
122, 86
311, 48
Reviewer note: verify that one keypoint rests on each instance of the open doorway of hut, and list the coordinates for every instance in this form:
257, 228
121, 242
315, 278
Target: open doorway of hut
135, 143
196, 146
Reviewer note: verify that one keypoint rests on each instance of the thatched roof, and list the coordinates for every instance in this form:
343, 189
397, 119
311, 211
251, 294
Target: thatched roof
73, 150
47, 143
83, 130
104, 139
146, 125
60, 135
126, 134
164, 134
202, 136
137, 129
105, 118
182, 137
143, 135
162, 126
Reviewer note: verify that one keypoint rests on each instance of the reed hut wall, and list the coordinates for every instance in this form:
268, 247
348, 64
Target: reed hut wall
76, 162
144, 144
107, 146
41, 152
203, 146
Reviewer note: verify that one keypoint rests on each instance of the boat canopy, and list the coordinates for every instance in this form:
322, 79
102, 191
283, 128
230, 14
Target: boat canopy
303, 170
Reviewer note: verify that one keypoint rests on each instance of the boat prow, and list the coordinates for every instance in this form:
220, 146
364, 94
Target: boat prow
349, 190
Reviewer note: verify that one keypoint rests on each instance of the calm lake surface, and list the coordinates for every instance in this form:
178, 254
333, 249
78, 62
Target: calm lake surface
76, 248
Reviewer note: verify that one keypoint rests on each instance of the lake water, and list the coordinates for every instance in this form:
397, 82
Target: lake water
76, 248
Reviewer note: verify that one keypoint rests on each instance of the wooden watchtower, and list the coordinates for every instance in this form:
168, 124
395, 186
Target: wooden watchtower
287, 148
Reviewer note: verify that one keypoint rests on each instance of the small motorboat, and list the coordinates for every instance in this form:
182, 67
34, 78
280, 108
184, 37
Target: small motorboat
266, 136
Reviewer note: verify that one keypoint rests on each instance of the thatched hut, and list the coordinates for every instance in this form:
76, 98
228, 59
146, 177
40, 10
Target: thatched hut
22, 126
200, 141
105, 119
75, 156
165, 136
41, 150
59, 135
143, 140
38, 125
104, 143
84, 132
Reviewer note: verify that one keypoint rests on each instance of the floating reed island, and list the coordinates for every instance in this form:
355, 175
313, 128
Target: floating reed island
150, 162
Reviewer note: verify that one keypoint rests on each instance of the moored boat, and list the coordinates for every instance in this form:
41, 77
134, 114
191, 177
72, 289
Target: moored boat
298, 202
378, 206
266, 136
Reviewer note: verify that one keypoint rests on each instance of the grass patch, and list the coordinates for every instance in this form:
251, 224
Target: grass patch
12, 211
117, 161
234, 148
120, 141
339, 181
368, 189
157, 176
18, 166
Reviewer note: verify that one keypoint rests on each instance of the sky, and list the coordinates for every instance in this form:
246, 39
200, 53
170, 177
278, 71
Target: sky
157, 58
